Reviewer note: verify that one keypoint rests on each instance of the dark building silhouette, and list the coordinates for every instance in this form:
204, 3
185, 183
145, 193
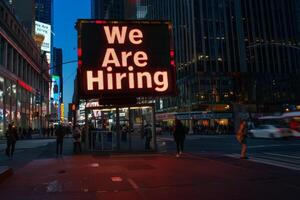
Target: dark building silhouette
111, 9
228, 52
43, 11
233, 51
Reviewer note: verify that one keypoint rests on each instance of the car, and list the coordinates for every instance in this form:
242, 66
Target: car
270, 131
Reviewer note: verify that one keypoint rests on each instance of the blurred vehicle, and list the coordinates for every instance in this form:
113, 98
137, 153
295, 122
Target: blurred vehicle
288, 119
270, 131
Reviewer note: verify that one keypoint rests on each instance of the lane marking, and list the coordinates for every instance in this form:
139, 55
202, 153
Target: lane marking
272, 145
133, 184
274, 163
283, 160
268, 162
283, 155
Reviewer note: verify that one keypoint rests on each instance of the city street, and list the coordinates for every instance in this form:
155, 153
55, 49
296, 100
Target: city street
210, 169
279, 152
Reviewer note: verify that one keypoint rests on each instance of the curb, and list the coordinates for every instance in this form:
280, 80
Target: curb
5, 172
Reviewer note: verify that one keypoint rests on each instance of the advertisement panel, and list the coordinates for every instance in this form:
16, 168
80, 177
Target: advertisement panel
55, 96
124, 59
45, 30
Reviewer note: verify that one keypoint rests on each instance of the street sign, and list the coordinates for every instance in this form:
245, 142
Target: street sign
118, 59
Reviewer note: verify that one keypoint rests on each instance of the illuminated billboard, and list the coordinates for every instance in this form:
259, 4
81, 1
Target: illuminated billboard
125, 59
55, 95
45, 30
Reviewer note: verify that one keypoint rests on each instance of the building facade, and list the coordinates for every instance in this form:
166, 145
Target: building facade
24, 78
231, 55
43, 11
111, 9
233, 51
24, 10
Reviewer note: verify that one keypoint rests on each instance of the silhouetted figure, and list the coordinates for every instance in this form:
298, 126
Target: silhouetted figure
179, 136
77, 140
148, 136
241, 136
12, 136
60, 134
29, 136
51, 130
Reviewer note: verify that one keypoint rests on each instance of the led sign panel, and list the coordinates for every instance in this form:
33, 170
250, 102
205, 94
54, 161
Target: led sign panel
125, 59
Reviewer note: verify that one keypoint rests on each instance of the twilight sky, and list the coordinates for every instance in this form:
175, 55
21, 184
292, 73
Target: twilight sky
66, 13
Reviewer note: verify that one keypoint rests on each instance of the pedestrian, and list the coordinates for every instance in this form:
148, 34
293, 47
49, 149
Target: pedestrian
77, 140
51, 131
12, 136
60, 133
179, 136
124, 133
148, 136
241, 136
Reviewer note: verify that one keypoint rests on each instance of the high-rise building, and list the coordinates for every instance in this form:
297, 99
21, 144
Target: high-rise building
228, 53
43, 11
270, 32
24, 10
233, 51
24, 77
44, 25
111, 9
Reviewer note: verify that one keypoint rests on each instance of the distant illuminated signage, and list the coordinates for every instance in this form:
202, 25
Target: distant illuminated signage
55, 94
127, 58
25, 86
62, 112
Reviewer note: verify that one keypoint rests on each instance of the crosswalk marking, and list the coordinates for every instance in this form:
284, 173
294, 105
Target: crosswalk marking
276, 159
283, 155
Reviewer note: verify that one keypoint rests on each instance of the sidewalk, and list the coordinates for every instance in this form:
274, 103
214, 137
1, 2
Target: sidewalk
153, 176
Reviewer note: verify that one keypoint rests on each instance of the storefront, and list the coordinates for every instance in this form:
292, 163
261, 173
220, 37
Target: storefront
207, 122
120, 128
17, 104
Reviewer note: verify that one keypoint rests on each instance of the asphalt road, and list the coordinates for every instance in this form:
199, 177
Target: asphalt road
210, 168
284, 153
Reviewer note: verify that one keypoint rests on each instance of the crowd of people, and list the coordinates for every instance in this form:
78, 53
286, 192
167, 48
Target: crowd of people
81, 133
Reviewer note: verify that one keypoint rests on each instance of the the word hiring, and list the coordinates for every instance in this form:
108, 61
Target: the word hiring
107, 79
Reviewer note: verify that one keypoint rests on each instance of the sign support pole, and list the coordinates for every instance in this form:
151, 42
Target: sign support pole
118, 127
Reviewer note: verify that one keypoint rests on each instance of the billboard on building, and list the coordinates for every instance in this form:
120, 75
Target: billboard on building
125, 58
55, 96
45, 30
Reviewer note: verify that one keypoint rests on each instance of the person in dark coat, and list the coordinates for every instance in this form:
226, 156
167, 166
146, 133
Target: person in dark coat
12, 136
148, 136
60, 134
179, 136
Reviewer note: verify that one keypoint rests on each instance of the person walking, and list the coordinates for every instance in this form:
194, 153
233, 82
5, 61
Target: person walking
60, 134
77, 140
179, 136
148, 136
12, 136
241, 136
